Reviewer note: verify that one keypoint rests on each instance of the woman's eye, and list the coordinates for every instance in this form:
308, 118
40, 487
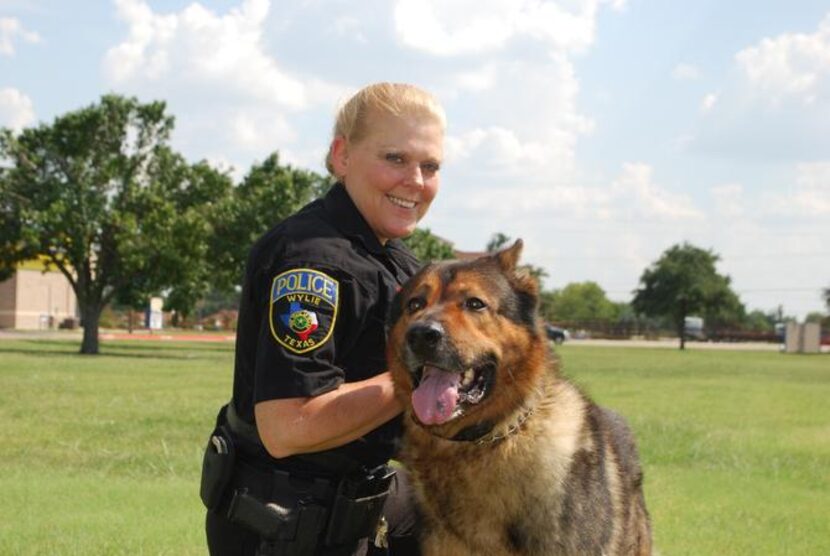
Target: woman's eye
474, 304
415, 304
430, 168
394, 157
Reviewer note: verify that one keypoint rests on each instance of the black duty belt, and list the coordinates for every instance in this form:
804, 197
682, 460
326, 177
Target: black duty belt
295, 510
273, 484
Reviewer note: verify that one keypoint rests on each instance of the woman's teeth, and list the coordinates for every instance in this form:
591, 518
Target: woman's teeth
404, 203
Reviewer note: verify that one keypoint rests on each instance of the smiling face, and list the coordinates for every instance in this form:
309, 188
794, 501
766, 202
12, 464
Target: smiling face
392, 173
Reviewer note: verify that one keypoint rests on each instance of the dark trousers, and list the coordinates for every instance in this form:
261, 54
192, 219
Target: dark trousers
227, 539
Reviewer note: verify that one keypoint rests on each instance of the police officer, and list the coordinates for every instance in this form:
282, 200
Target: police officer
313, 419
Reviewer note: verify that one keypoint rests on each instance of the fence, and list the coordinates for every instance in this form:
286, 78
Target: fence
636, 329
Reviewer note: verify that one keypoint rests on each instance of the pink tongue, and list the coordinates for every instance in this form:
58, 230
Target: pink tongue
436, 397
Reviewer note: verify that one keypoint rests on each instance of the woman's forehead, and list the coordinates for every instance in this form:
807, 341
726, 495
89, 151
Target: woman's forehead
377, 120
415, 131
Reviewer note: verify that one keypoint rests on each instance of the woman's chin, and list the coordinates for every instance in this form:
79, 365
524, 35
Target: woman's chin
399, 230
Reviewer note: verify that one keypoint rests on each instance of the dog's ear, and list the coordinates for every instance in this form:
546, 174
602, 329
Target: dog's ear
524, 286
508, 258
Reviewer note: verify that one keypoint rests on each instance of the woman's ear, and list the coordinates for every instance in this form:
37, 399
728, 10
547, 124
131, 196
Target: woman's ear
339, 156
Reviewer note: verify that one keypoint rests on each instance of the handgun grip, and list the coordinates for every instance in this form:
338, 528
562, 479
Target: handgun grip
271, 521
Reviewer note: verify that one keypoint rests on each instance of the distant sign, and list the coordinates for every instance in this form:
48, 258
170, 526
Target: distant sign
154, 316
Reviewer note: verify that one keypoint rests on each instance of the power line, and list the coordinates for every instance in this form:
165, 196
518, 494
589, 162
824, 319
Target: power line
771, 290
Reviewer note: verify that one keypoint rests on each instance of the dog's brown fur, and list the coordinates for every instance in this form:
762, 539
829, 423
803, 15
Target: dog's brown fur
535, 467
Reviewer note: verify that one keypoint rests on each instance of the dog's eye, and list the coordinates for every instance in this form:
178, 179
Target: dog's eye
415, 304
474, 304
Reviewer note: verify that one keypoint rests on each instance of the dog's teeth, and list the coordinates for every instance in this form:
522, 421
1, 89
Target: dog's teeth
468, 377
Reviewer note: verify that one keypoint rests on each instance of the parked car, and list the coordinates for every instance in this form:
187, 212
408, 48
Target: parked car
693, 327
556, 334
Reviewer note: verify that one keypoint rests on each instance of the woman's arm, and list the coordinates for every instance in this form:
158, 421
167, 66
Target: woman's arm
299, 425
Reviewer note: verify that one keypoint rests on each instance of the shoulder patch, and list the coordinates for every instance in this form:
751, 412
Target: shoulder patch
303, 309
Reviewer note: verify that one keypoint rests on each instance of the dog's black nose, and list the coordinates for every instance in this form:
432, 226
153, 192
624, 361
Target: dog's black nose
424, 336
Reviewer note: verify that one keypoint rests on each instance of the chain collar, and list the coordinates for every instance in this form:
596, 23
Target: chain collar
510, 431
489, 437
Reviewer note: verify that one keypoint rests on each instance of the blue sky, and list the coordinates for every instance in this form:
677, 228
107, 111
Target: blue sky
600, 131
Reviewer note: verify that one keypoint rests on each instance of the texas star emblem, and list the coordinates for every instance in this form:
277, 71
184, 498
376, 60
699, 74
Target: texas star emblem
303, 309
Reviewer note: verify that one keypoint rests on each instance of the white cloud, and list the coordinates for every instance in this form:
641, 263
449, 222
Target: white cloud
198, 46
618, 5
232, 98
10, 30
524, 129
251, 131
686, 72
810, 196
477, 80
522, 121
351, 27
16, 109
478, 26
631, 196
708, 102
778, 106
790, 65
636, 188
812, 193
729, 201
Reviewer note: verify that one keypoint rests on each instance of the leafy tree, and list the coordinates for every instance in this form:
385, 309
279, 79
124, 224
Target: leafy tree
100, 194
547, 304
582, 301
815, 316
500, 240
827, 298
269, 193
683, 282
759, 321
730, 313
624, 312
428, 247
216, 300
496, 242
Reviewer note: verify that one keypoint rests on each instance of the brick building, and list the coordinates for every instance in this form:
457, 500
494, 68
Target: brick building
36, 300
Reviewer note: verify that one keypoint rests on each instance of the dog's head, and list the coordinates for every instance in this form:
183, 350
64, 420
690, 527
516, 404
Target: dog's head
465, 348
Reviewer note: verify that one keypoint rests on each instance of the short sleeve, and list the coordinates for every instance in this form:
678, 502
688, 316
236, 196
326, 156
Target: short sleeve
311, 312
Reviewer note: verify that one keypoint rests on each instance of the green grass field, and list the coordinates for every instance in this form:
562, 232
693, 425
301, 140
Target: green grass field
101, 455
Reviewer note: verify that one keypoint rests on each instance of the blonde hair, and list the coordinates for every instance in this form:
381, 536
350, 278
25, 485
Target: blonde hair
387, 98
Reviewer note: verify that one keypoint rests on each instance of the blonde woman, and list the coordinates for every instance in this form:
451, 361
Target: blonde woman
313, 419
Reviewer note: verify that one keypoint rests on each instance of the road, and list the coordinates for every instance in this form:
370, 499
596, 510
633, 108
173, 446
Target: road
230, 337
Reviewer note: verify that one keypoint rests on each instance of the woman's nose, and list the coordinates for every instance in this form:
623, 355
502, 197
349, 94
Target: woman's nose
415, 177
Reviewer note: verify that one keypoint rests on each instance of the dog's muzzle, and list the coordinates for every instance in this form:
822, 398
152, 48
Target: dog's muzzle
424, 338
445, 386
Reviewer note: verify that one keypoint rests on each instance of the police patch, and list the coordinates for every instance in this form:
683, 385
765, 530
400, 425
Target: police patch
303, 309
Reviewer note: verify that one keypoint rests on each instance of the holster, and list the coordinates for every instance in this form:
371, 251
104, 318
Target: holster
358, 505
287, 531
294, 515
217, 466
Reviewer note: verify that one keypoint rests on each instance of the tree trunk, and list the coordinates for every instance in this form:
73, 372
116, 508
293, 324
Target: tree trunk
91, 316
681, 332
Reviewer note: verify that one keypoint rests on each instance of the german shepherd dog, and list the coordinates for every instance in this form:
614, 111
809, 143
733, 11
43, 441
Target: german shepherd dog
507, 457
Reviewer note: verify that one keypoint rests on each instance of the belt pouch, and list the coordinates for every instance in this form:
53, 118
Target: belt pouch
217, 467
354, 518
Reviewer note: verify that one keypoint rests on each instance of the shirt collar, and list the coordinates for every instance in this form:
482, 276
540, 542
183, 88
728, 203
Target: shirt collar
344, 214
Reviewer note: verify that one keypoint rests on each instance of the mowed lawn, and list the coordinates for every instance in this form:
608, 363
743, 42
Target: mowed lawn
101, 455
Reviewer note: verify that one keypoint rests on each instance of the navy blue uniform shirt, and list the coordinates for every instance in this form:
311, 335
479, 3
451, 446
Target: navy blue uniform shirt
317, 289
